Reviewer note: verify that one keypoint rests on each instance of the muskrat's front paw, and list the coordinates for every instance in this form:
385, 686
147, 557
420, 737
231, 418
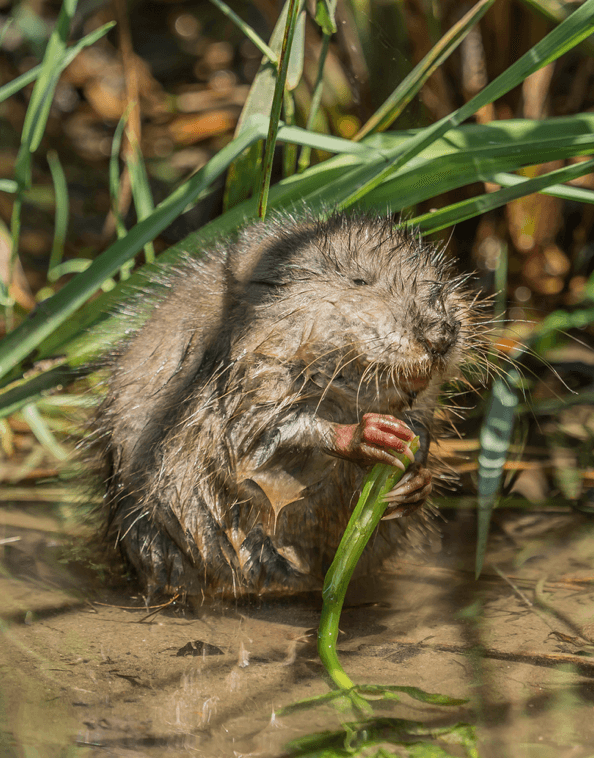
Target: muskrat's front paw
373, 440
409, 494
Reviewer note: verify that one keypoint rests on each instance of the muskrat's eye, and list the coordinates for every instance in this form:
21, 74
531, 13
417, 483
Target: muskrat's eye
360, 282
267, 283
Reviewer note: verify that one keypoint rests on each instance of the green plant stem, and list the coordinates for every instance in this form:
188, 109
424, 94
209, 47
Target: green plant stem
305, 155
365, 517
248, 31
61, 214
277, 101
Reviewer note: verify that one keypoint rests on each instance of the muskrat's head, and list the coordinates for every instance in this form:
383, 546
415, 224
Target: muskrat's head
370, 312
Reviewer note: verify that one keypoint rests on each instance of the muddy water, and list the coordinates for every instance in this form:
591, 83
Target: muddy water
86, 671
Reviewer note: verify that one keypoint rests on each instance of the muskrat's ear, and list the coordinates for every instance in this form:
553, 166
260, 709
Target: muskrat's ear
242, 261
254, 266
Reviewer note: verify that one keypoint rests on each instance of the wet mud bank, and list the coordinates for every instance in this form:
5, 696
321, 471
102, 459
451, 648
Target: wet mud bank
89, 671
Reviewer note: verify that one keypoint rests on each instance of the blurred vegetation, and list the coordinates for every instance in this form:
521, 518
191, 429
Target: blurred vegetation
124, 127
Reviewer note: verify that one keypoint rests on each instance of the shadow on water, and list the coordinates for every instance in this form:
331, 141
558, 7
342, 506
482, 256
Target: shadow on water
87, 671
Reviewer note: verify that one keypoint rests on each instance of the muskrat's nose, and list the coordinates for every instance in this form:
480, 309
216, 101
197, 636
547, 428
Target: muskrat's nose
439, 338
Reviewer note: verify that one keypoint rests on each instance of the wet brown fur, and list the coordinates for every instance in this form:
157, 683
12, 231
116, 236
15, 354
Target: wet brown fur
215, 426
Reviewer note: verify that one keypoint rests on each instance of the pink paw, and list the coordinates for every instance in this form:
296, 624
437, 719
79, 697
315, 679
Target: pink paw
372, 440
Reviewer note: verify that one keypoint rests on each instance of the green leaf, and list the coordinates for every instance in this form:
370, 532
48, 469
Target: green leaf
457, 212
11, 88
61, 214
53, 312
410, 86
413, 692
567, 35
294, 7
8, 185
43, 91
576, 194
141, 193
297, 55
114, 172
56, 58
316, 100
24, 391
248, 31
557, 11
42, 432
325, 12
495, 439
244, 175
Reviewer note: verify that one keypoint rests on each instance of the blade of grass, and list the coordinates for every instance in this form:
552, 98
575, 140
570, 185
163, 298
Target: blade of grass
63, 404
325, 18
42, 432
439, 168
11, 88
289, 148
55, 59
556, 12
71, 266
495, 437
61, 215
305, 155
577, 194
560, 322
248, 31
563, 38
114, 172
141, 192
277, 101
30, 390
415, 693
244, 176
457, 212
294, 74
297, 56
467, 154
500, 303
43, 91
393, 106
53, 312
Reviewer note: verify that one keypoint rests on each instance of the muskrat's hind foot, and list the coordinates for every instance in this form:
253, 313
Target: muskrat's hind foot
410, 493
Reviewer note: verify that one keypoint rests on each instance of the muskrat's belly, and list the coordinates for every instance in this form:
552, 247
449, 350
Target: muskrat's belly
238, 545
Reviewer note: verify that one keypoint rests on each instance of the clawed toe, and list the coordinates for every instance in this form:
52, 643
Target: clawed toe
409, 494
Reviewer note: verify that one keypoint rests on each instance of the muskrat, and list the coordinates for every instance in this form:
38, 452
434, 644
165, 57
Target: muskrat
241, 419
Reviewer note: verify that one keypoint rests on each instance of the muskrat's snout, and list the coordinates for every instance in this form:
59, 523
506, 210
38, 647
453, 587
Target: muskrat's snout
439, 337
